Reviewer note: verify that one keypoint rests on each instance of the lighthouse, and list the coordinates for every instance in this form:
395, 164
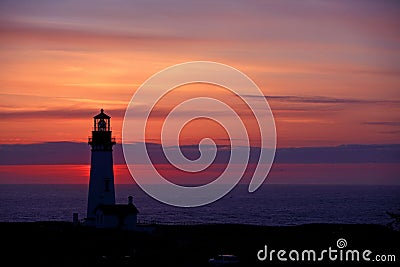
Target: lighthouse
102, 212
101, 184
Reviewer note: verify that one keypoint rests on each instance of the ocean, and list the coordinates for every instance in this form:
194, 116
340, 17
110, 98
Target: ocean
274, 205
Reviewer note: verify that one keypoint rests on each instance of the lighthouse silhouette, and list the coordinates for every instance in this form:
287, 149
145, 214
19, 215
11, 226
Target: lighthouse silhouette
101, 184
102, 212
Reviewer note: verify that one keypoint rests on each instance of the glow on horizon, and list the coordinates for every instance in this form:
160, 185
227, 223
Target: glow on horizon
361, 174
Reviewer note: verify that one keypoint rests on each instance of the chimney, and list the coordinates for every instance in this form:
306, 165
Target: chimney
130, 200
75, 219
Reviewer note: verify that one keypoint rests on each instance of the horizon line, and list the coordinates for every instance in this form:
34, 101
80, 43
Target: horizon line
218, 145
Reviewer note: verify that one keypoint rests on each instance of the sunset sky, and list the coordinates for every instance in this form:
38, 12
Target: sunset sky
330, 70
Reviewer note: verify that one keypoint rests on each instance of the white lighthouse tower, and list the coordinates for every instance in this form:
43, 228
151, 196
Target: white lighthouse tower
101, 184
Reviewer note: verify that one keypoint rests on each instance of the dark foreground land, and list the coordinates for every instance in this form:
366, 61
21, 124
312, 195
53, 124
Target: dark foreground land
62, 244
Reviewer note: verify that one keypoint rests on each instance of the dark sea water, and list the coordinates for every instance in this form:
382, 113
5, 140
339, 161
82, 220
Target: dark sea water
270, 205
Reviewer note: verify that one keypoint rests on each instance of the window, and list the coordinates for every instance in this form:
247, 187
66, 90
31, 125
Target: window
107, 184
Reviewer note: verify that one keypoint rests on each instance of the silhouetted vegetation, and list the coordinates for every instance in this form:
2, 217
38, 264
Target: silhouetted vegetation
63, 244
395, 223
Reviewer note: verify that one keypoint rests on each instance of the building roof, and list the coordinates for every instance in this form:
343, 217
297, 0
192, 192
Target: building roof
102, 115
120, 209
